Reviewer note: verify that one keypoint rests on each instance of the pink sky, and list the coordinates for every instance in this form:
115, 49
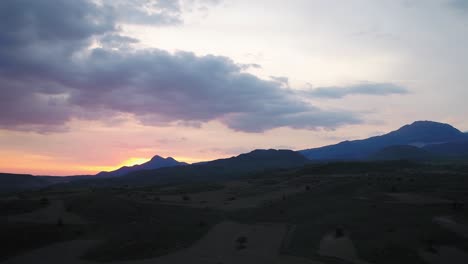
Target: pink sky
117, 82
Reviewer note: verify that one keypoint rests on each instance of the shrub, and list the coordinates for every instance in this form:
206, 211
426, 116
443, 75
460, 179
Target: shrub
45, 201
339, 232
241, 241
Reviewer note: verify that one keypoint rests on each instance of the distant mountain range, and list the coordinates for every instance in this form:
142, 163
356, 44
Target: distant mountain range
419, 134
419, 141
216, 170
155, 163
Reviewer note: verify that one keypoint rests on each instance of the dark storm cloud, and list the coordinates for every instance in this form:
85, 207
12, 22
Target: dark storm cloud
48, 76
160, 87
335, 92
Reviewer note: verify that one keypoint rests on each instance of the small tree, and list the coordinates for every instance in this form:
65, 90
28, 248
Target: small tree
59, 222
241, 241
339, 232
202, 223
44, 201
430, 246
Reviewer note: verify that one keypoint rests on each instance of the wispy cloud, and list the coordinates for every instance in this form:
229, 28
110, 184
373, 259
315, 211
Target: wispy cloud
337, 92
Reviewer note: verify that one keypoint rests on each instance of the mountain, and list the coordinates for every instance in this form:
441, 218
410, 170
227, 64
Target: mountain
155, 163
402, 152
222, 169
261, 159
216, 170
419, 133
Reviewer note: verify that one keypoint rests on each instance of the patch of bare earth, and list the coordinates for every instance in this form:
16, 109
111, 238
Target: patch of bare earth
450, 224
412, 198
339, 247
443, 255
227, 243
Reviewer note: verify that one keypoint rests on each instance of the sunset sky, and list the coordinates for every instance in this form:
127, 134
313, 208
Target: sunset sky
87, 86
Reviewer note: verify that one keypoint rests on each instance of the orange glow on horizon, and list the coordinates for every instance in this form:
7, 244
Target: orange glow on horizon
44, 165
134, 161
51, 168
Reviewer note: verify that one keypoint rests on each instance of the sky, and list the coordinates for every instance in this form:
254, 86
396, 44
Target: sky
92, 85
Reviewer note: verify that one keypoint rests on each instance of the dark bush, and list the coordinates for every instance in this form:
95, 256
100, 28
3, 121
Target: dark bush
339, 232
45, 201
241, 241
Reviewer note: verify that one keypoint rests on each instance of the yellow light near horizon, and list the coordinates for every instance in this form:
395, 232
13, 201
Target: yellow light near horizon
129, 162
134, 161
192, 160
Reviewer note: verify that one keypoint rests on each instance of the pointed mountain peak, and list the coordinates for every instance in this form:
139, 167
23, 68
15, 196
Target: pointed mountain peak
156, 162
157, 157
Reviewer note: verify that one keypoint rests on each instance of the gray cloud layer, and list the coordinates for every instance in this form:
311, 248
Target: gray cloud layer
336, 92
48, 74
460, 4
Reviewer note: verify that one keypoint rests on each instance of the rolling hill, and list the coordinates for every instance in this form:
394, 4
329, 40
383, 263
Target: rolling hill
17, 182
402, 152
449, 149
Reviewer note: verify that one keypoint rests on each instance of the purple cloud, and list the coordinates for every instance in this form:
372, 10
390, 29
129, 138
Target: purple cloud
48, 75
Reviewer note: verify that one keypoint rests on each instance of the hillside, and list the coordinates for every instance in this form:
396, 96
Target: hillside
17, 182
402, 152
450, 149
419, 133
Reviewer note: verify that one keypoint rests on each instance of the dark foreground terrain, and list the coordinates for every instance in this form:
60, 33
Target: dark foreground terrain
343, 212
